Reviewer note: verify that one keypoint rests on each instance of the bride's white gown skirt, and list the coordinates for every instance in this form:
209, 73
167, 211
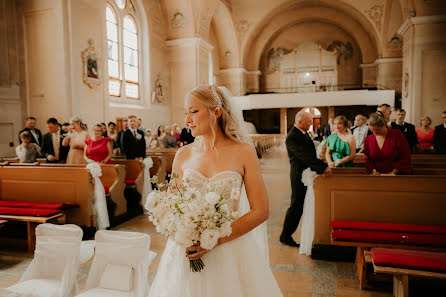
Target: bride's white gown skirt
234, 269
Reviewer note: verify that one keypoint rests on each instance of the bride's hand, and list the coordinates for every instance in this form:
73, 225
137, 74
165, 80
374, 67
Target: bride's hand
195, 252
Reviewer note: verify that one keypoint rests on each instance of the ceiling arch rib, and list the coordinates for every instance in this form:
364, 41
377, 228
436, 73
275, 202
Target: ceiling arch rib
368, 48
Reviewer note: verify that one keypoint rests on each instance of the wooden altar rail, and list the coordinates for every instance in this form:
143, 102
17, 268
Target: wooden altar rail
51, 184
416, 199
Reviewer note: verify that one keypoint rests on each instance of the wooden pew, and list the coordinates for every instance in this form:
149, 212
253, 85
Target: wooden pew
112, 179
54, 184
166, 157
417, 171
418, 161
134, 171
416, 199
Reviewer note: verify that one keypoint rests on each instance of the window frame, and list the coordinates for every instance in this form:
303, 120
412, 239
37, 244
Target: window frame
120, 15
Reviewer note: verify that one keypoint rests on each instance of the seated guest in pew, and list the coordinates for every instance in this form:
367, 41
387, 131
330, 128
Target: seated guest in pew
386, 151
52, 142
76, 141
440, 136
27, 152
169, 141
100, 148
133, 142
30, 126
407, 129
425, 136
386, 110
341, 145
186, 136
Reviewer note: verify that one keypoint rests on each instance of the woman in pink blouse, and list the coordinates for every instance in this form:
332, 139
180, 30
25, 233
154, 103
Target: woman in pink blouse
425, 136
386, 150
98, 149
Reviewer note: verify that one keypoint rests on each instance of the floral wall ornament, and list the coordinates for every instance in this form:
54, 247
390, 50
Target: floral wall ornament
395, 42
90, 72
376, 13
344, 50
177, 20
242, 28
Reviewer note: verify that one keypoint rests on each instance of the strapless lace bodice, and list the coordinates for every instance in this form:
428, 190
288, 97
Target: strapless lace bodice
227, 183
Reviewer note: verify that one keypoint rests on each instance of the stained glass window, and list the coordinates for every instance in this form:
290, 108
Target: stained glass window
120, 3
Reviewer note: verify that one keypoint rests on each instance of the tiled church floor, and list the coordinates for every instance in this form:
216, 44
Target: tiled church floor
297, 275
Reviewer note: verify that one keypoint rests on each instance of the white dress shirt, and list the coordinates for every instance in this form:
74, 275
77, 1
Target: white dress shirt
360, 133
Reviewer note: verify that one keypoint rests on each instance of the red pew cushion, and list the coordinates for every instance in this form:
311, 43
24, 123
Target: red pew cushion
419, 260
372, 226
434, 240
40, 205
129, 181
23, 211
106, 189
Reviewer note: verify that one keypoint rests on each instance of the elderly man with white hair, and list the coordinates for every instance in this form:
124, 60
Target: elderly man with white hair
302, 154
360, 131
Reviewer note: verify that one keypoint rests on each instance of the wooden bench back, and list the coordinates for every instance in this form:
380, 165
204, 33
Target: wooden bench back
417, 171
53, 184
393, 199
133, 168
166, 157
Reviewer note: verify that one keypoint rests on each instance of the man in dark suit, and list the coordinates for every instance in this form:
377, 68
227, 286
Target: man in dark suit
329, 128
133, 141
119, 137
302, 154
52, 142
440, 136
407, 129
30, 126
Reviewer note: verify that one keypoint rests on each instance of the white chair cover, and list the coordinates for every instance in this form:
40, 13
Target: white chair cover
100, 202
307, 232
147, 188
53, 271
120, 248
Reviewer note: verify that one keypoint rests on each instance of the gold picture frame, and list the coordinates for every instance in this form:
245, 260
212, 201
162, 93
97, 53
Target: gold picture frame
90, 64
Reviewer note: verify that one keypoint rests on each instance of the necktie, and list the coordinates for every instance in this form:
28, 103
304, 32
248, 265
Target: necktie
134, 133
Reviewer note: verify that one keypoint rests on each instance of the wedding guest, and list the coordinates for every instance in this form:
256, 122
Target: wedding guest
176, 132
302, 155
407, 129
139, 126
52, 141
104, 129
186, 136
64, 128
341, 145
148, 138
27, 152
154, 143
76, 141
386, 110
425, 136
161, 132
120, 136
329, 128
133, 142
169, 140
113, 135
30, 126
386, 151
98, 149
360, 131
440, 136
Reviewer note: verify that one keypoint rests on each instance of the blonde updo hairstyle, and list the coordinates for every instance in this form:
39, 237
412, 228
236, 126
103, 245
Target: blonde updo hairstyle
227, 122
79, 121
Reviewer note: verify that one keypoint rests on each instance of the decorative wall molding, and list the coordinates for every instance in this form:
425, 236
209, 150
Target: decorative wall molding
431, 19
177, 20
233, 70
388, 60
369, 65
376, 14
395, 42
255, 72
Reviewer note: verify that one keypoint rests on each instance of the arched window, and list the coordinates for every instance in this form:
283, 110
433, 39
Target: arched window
123, 53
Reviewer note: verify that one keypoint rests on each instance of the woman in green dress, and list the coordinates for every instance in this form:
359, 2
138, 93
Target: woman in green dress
341, 146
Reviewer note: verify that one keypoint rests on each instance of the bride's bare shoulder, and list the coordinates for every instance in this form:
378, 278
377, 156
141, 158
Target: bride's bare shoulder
244, 149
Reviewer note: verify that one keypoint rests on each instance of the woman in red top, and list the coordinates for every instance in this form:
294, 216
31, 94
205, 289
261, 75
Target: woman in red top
386, 150
98, 149
425, 136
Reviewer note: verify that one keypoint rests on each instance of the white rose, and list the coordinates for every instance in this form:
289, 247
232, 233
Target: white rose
209, 239
212, 198
184, 237
224, 208
235, 194
225, 229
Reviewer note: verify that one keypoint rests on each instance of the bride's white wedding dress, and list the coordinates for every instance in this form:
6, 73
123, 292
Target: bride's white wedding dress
239, 268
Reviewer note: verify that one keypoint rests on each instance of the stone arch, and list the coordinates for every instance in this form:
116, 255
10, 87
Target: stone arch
343, 15
224, 28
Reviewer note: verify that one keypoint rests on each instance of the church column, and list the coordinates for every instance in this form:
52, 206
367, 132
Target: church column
252, 81
368, 75
283, 121
424, 75
389, 73
233, 79
188, 62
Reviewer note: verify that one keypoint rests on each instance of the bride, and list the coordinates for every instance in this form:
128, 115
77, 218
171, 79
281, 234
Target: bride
238, 266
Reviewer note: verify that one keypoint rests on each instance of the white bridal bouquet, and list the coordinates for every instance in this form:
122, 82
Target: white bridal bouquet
191, 217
